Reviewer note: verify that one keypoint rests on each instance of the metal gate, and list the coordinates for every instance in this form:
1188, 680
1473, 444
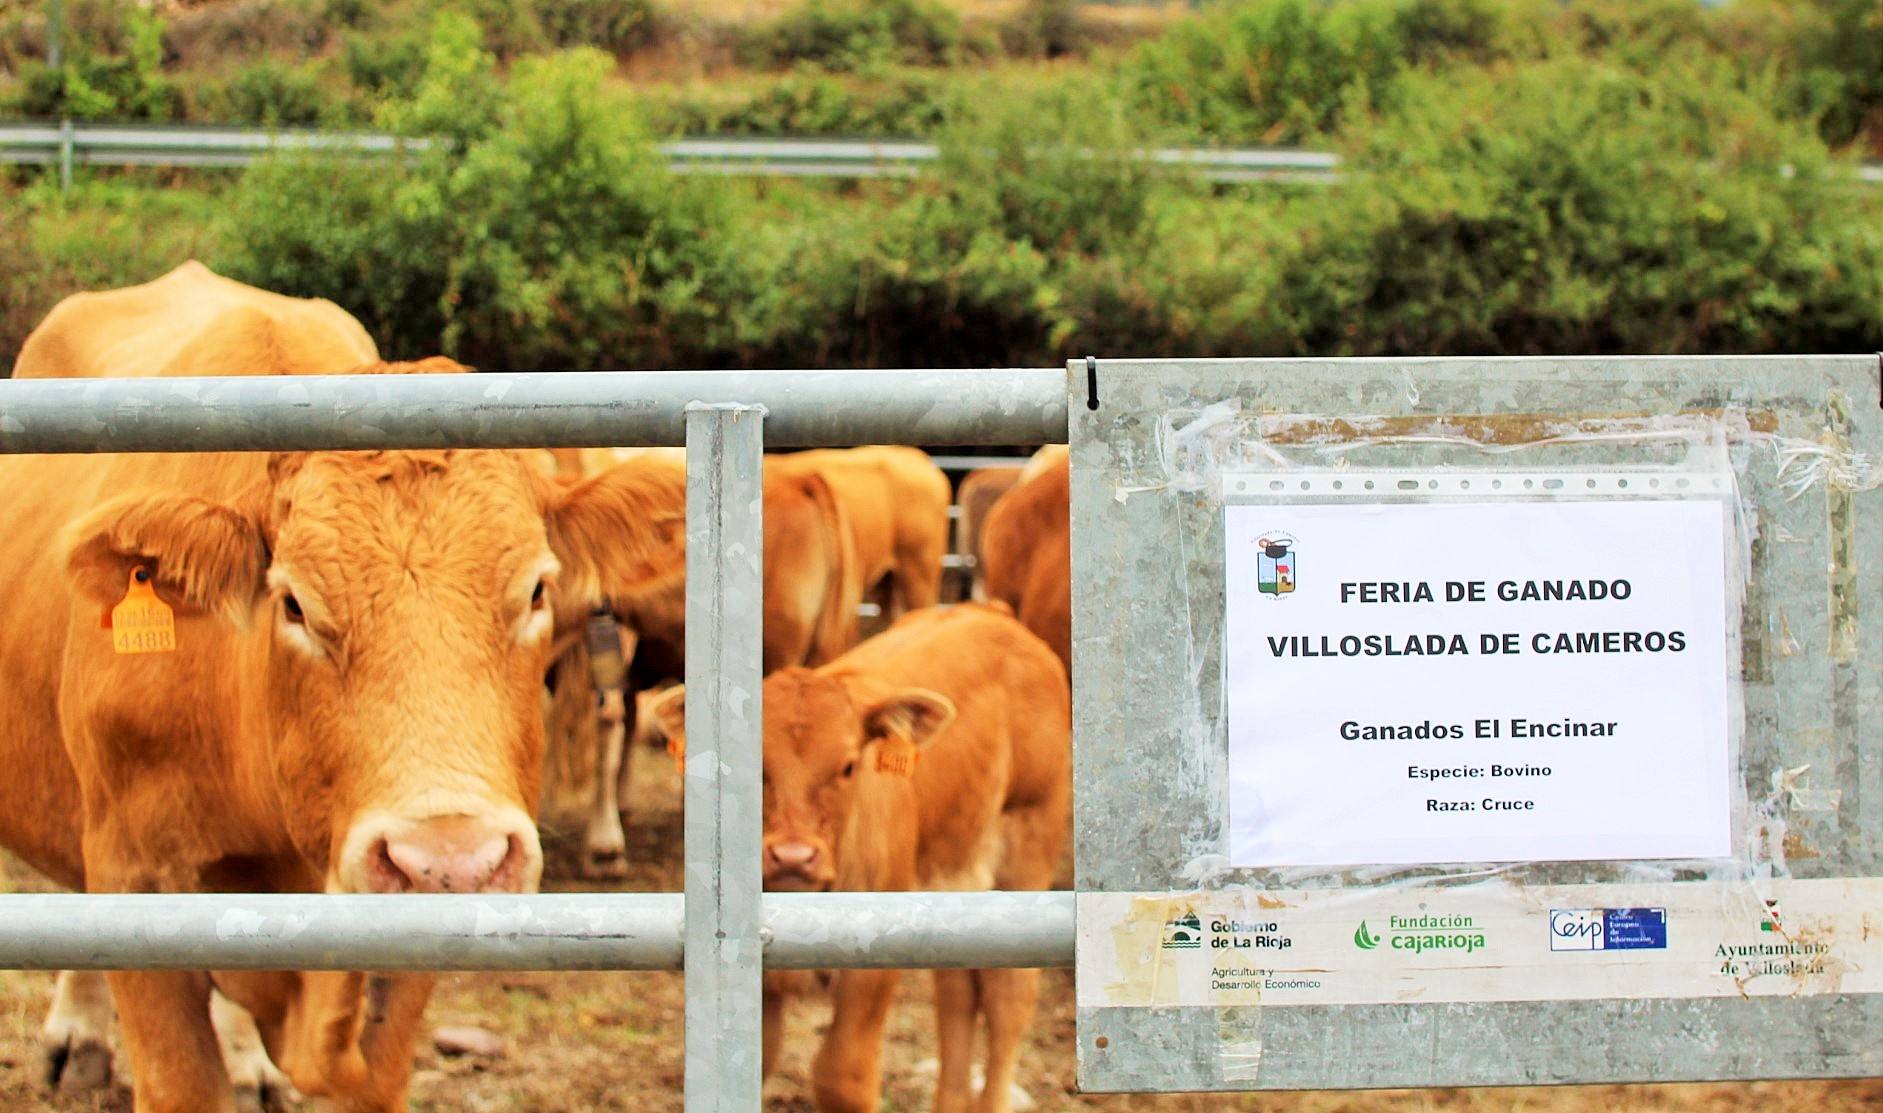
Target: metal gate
722, 930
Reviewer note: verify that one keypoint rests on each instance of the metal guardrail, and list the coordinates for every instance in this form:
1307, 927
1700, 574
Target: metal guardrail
71, 144
723, 929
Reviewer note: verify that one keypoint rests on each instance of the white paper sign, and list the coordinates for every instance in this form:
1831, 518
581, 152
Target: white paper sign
1477, 682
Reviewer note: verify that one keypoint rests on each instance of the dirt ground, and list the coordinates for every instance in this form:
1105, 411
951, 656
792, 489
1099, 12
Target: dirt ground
585, 1043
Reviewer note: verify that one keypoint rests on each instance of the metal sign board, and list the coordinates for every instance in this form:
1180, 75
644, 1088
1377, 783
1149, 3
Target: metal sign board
1477, 721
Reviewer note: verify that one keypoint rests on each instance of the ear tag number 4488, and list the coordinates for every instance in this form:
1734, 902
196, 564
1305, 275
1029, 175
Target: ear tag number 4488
142, 623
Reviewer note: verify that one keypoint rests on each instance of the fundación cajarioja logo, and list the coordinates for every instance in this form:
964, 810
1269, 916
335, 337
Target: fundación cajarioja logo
1422, 933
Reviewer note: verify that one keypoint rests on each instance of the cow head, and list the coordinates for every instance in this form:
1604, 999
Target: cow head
821, 738
388, 618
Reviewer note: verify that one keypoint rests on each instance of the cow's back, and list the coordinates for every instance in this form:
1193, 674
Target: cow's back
193, 321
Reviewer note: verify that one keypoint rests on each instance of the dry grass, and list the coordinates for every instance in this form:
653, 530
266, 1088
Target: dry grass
587, 1043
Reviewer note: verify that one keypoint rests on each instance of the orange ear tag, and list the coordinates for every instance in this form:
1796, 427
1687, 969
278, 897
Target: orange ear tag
898, 756
677, 750
142, 623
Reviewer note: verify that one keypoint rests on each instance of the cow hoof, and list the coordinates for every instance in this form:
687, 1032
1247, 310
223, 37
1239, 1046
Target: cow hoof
267, 1097
260, 1087
78, 1066
604, 865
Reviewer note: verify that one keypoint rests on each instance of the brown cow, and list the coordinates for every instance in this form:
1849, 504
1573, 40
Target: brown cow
896, 502
351, 701
812, 585
1028, 546
981, 489
936, 755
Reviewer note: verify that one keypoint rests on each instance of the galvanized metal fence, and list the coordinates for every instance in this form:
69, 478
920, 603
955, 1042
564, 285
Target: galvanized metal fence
722, 930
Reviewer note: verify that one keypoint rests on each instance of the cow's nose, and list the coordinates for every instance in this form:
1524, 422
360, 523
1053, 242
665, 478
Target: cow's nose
454, 854
791, 854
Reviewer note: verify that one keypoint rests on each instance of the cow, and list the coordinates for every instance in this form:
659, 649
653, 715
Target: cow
320, 673
980, 490
1027, 542
896, 503
936, 755
812, 586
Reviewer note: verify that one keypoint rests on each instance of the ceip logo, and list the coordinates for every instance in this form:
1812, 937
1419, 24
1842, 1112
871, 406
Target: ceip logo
1364, 938
1275, 564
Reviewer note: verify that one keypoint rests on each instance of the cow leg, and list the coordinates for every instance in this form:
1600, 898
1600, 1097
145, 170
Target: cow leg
176, 1062
76, 1038
395, 1019
954, 1030
774, 1028
847, 1076
1008, 999
605, 843
259, 1086
917, 579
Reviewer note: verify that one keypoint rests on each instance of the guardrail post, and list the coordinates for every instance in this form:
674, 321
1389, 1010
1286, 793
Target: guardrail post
725, 446
66, 142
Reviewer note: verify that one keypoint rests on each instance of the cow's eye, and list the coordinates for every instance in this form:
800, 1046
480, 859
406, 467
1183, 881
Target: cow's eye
849, 767
540, 595
291, 607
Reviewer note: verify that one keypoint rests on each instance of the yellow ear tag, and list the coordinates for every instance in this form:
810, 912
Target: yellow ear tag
142, 623
677, 750
898, 756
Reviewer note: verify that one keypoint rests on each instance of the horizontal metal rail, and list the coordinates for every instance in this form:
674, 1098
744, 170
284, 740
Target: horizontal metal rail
539, 409
210, 146
203, 145
546, 931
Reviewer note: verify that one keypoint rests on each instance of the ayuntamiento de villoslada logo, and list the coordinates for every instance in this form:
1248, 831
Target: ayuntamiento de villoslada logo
1275, 564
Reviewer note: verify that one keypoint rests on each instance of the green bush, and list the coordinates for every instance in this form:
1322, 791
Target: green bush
106, 232
383, 66
858, 34
1582, 207
113, 75
972, 264
270, 93
549, 236
616, 26
895, 103
1829, 54
1272, 71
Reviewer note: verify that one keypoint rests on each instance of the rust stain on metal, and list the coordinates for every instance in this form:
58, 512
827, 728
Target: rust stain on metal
1498, 429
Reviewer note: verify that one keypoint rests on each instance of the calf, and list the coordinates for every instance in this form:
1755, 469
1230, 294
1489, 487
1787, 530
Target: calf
936, 755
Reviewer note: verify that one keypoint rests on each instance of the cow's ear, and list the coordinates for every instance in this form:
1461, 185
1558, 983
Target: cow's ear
667, 713
619, 533
913, 715
207, 555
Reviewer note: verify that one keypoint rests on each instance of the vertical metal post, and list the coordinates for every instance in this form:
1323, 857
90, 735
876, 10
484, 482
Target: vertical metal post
725, 447
55, 33
66, 140
55, 58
